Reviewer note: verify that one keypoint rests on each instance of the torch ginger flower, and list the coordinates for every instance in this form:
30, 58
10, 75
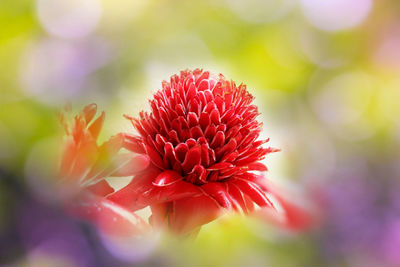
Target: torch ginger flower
201, 137
85, 165
197, 155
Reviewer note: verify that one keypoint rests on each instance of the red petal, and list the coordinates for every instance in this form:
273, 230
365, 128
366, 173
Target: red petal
219, 140
160, 214
89, 111
181, 151
237, 195
191, 92
127, 165
200, 173
204, 120
95, 127
167, 178
230, 157
193, 157
232, 131
210, 107
173, 137
203, 85
257, 166
118, 165
101, 188
205, 157
228, 114
191, 213
133, 143
253, 191
191, 142
180, 110
220, 166
218, 192
213, 177
169, 154
196, 132
214, 117
108, 217
161, 139
84, 158
210, 131
192, 119
228, 148
129, 195
154, 157
179, 189
68, 157
194, 106
298, 215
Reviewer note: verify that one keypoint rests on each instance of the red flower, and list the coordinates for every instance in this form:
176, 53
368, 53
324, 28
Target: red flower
202, 140
85, 164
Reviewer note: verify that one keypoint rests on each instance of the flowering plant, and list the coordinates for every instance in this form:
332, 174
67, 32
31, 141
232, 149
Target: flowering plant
197, 155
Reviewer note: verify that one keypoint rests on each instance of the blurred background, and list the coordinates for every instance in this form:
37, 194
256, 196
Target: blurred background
326, 77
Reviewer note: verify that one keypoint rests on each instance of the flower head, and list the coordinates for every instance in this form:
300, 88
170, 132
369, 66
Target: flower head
201, 137
85, 163
84, 166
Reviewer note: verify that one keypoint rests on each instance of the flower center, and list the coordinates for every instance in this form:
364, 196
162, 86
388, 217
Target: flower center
202, 127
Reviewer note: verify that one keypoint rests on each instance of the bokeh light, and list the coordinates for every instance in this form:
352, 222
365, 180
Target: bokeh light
69, 19
335, 15
54, 71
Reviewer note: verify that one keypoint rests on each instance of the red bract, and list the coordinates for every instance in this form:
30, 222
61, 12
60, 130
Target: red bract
202, 140
85, 163
84, 167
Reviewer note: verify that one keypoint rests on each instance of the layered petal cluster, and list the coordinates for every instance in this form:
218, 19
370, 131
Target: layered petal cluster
85, 163
84, 166
202, 139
